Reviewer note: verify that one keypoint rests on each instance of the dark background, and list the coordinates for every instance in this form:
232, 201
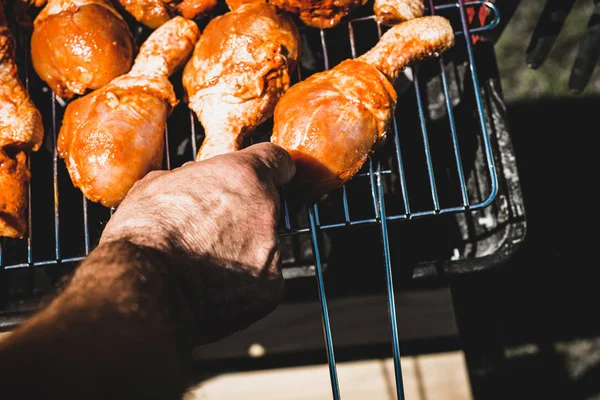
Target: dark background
535, 330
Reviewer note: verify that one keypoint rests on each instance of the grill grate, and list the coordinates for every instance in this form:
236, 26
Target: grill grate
375, 174
405, 180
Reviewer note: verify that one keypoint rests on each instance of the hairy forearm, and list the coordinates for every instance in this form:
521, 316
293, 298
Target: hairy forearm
119, 329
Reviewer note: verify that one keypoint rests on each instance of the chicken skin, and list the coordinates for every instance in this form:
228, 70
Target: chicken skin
21, 131
114, 136
154, 13
314, 13
239, 70
391, 12
331, 122
14, 178
79, 45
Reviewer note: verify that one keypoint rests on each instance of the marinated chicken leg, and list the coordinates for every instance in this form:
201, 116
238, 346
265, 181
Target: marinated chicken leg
114, 136
154, 13
331, 122
79, 45
35, 3
314, 13
391, 12
239, 70
195, 8
21, 131
14, 178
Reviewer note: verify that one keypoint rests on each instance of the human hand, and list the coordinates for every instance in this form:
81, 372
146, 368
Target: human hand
547, 30
217, 221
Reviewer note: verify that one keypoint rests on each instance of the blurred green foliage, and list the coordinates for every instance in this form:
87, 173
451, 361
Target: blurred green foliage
519, 82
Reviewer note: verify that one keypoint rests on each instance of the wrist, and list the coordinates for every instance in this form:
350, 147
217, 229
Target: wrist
143, 235
122, 314
153, 238
135, 281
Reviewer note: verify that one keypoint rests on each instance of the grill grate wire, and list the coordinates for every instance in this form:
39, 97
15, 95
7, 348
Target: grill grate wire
373, 171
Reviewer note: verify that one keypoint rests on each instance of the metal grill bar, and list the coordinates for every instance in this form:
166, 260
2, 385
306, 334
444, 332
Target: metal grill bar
167, 155
193, 135
428, 161
381, 213
86, 229
390, 292
25, 44
372, 184
286, 210
461, 172
480, 109
312, 215
459, 166
345, 204
29, 225
55, 179
324, 47
65, 260
401, 168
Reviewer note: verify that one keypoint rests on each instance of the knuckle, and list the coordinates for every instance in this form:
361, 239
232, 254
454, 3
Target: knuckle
245, 175
134, 189
146, 180
189, 164
154, 174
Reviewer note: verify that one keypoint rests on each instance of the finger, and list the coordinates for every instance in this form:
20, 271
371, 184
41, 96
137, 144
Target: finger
277, 162
546, 31
588, 54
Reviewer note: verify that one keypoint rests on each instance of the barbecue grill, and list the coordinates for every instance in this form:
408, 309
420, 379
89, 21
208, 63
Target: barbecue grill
441, 197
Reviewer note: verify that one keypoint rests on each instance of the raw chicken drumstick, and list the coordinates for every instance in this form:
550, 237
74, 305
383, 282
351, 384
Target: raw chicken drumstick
239, 70
391, 12
330, 122
114, 136
80, 44
21, 131
314, 13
